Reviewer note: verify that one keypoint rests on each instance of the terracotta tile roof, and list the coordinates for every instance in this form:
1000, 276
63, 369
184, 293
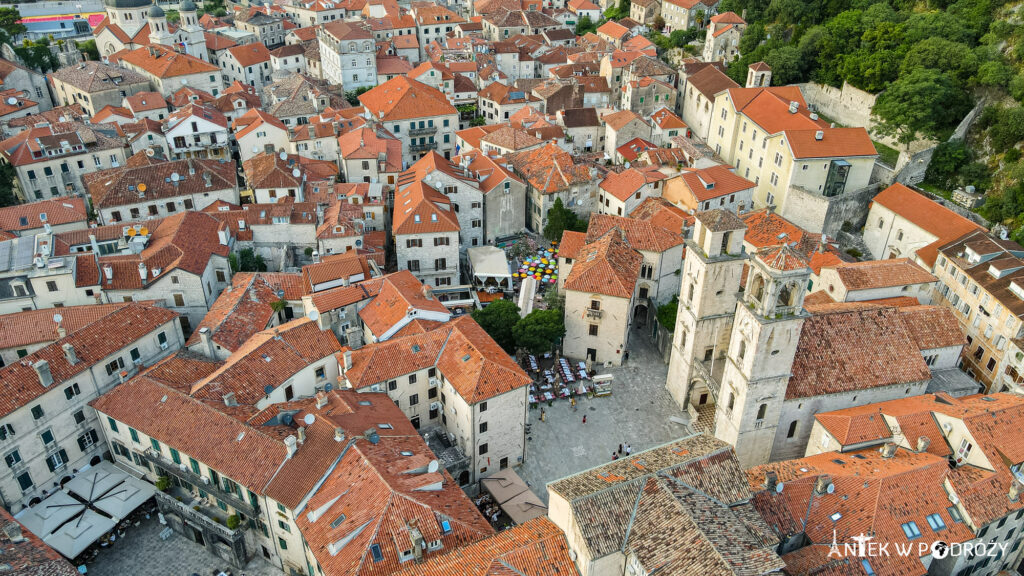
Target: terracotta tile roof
714, 182
613, 29
632, 149
511, 139
535, 548
719, 220
491, 172
217, 42
640, 234
267, 170
268, 358
420, 209
667, 120
394, 295
402, 99
367, 143
882, 274
618, 120
871, 494
145, 178
663, 214
933, 326
185, 241
92, 344
29, 216
571, 244
473, 135
163, 62
397, 356
606, 265
624, 184
858, 349
476, 366
145, 101
36, 144
188, 94
834, 142
550, 169
112, 114
241, 310
728, 18
37, 326
370, 489
939, 221
252, 120
765, 226
335, 267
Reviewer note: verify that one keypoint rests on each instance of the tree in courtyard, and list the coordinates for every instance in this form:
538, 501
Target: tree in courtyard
540, 330
7, 195
585, 26
561, 219
498, 319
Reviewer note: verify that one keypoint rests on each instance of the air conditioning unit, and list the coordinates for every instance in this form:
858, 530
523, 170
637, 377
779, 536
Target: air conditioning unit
163, 345
206, 480
182, 467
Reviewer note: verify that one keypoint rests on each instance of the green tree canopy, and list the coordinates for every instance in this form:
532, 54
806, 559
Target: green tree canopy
939, 54
924, 101
498, 319
7, 195
585, 25
540, 330
561, 219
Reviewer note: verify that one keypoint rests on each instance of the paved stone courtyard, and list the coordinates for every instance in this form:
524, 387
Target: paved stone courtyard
142, 553
637, 412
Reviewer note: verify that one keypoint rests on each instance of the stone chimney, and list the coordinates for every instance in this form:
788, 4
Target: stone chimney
69, 353
143, 272
108, 273
339, 434
348, 360
13, 532
42, 368
302, 434
888, 450
204, 337
1015, 489
291, 444
922, 443
321, 400
822, 484
771, 479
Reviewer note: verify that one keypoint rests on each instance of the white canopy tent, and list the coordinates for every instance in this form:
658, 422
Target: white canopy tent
489, 267
111, 490
77, 535
87, 507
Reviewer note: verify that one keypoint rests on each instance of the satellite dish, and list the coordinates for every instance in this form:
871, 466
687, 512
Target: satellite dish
313, 315
184, 81
328, 387
255, 149
175, 176
283, 155
309, 419
831, 488
296, 173
778, 488
268, 389
12, 100
432, 467
141, 187
57, 318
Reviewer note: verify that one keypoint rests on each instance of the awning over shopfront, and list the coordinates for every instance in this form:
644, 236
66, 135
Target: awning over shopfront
513, 496
85, 508
489, 266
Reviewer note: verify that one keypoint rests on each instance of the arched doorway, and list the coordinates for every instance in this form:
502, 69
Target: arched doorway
464, 478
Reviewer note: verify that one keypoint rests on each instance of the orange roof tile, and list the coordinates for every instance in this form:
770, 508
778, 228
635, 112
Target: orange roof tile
939, 221
606, 265
402, 99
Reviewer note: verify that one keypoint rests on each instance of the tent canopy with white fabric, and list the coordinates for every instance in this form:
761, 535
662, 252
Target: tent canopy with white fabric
87, 507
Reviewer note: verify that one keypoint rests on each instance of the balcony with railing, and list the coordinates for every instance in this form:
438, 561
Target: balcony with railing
594, 313
183, 472
423, 131
422, 147
196, 511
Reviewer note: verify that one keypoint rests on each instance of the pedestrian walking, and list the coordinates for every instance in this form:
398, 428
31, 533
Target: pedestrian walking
620, 448
629, 449
543, 415
584, 418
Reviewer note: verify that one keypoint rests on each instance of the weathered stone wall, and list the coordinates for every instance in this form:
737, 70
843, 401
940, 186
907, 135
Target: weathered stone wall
848, 106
